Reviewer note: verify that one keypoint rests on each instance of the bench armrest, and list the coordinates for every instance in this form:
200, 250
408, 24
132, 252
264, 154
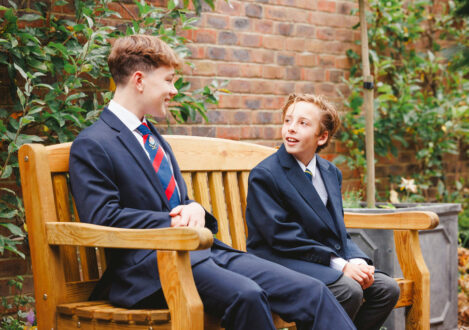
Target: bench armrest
85, 234
416, 220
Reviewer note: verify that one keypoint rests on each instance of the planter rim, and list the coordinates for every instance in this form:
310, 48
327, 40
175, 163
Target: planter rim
436, 207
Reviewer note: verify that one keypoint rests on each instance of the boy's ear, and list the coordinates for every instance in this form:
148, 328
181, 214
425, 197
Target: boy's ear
136, 79
323, 138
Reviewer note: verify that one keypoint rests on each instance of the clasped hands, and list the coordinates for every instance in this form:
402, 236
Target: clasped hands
363, 274
190, 215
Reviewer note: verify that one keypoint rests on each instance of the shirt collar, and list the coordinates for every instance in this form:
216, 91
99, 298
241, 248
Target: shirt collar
311, 166
129, 119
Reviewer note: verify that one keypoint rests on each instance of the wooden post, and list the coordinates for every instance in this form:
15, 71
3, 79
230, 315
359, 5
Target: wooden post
368, 110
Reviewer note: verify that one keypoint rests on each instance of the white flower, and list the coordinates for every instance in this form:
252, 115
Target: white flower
393, 197
408, 184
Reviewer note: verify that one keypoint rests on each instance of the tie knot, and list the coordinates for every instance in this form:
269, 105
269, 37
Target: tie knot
309, 174
144, 129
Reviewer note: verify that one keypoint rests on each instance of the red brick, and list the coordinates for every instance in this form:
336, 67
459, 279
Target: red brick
263, 87
286, 58
251, 132
273, 72
342, 62
297, 44
275, 103
334, 75
227, 38
217, 53
304, 30
233, 8
197, 51
262, 56
251, 70
326, 60
205, 68
285, 29
253, 10
229, 101
242, 117
216, 116
346, 7
326, 89
325, 33
306, 4
305, 87
276, 13
216, 21
315, 46
273, 42
264, 27
239, 86
284, 88
298, 15
272, 132
228, 132
241, 55
251, 102
312, 74
228, 70
251, 40
241, 23
325, 5
305, 59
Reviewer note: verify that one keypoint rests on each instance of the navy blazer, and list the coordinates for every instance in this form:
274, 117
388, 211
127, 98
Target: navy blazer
289, 224
114, 184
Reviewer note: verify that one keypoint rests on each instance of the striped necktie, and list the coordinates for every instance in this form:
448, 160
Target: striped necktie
309, 175
161, 165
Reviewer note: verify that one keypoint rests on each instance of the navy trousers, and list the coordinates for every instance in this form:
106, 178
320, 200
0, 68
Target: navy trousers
243, 290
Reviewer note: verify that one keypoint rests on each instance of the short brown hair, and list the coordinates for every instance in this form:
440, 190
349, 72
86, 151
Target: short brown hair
330, 120
139, 53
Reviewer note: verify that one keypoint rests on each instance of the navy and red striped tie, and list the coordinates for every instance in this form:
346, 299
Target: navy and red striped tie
160, 164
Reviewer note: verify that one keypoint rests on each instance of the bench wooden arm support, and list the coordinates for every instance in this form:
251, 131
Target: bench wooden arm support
409, 254
174, 264
85, 234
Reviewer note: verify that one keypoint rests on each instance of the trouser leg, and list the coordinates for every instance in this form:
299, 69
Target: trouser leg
348, 293
294, 296
380, 299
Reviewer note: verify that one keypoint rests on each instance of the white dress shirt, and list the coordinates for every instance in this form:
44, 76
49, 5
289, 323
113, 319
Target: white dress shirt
131, 121
337, 263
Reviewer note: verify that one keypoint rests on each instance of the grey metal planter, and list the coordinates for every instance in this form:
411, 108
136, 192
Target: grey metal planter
439, 248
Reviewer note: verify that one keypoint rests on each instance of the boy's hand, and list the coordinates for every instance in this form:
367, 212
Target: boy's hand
363, 274
191, 215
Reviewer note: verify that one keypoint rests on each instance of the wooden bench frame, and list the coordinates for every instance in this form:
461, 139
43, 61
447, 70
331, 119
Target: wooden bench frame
216, 173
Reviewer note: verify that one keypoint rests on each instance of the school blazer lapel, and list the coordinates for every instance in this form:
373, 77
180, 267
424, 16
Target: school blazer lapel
130, 143
333, 192
307, 191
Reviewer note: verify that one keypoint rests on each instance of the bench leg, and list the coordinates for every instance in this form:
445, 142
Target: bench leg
413, 267
179, 289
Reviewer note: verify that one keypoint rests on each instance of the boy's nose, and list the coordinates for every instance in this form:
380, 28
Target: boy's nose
173, 91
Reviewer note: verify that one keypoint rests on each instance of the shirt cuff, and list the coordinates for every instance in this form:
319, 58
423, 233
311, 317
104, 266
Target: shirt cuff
358, 261
338, 263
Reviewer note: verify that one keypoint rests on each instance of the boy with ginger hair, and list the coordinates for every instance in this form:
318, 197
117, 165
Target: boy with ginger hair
295, 215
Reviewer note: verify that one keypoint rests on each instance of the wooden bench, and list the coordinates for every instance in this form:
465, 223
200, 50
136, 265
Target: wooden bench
67, 256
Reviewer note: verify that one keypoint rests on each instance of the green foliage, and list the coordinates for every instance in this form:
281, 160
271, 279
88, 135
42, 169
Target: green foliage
22, 305
56, 66
421, 101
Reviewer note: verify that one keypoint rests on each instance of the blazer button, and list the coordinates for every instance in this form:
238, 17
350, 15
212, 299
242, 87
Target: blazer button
337, 247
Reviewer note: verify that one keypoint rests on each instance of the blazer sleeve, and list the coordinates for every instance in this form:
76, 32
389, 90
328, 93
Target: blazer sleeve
97, 197
268, 215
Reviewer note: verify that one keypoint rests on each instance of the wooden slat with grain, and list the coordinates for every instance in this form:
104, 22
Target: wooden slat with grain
201, 193
79, 291
177, 281
187, 176
414, 268
85, 234
68, 253
418, 220
235, 215
407, 292
39, 204
219, 206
